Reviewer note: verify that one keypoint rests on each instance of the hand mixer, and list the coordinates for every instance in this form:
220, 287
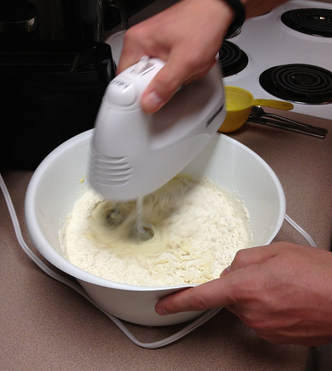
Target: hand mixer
133, 153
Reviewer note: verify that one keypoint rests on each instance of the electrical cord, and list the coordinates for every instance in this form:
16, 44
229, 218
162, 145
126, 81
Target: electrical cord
301, 231
157, 344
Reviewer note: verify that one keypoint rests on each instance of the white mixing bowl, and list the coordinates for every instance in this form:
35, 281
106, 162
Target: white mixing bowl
57, 183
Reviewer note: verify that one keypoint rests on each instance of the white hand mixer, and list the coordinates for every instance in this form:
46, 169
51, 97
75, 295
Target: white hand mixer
133, 153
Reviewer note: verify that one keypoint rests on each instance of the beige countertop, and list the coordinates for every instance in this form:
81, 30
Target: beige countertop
47, 326
44, 325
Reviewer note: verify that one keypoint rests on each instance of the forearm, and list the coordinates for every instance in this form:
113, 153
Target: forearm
253, 8
258, 7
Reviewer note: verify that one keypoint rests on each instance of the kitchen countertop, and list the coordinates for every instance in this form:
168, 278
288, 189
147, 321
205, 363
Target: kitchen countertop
47, 326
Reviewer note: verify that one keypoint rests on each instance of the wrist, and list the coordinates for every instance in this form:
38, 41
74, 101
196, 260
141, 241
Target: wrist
239, 17
218, 14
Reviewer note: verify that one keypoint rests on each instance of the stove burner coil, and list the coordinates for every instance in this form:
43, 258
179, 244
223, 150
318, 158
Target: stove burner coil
299, 83
310, 21
232, 59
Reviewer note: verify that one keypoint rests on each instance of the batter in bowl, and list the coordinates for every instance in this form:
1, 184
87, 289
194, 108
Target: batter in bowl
193, 228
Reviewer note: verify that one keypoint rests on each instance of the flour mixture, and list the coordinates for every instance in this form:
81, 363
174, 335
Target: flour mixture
195, 230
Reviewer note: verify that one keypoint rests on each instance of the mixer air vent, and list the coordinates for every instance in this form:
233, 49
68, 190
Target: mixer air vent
111, 171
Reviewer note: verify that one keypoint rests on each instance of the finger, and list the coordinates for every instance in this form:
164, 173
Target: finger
209, 295
126, 62
201, 74
129, 56
178, 70
135, 46
163, 86
138, 43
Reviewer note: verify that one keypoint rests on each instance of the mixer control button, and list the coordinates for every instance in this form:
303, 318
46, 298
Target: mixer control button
142, 65
121, 92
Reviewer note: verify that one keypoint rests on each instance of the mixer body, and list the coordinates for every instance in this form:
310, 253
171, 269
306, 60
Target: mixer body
133, 153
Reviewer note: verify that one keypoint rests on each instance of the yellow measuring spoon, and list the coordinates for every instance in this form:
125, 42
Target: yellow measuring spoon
238, 106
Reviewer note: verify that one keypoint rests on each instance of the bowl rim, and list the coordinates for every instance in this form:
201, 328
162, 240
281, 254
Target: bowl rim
48, 252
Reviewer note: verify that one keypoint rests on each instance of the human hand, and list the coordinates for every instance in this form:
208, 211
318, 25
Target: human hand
187, 36
283, 291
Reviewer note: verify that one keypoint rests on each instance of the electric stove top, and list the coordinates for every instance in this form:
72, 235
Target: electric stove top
285, 54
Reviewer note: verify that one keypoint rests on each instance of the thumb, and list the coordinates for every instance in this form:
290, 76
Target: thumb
209, 295
252, 256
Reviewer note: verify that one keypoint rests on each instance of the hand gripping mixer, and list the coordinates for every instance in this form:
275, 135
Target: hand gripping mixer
133, 153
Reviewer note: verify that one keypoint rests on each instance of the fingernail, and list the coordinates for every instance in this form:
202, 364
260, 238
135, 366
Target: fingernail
225, 271
152, 102
161, 311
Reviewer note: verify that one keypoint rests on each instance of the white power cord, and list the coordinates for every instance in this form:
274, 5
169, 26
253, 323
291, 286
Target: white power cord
158, 344
301, 231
